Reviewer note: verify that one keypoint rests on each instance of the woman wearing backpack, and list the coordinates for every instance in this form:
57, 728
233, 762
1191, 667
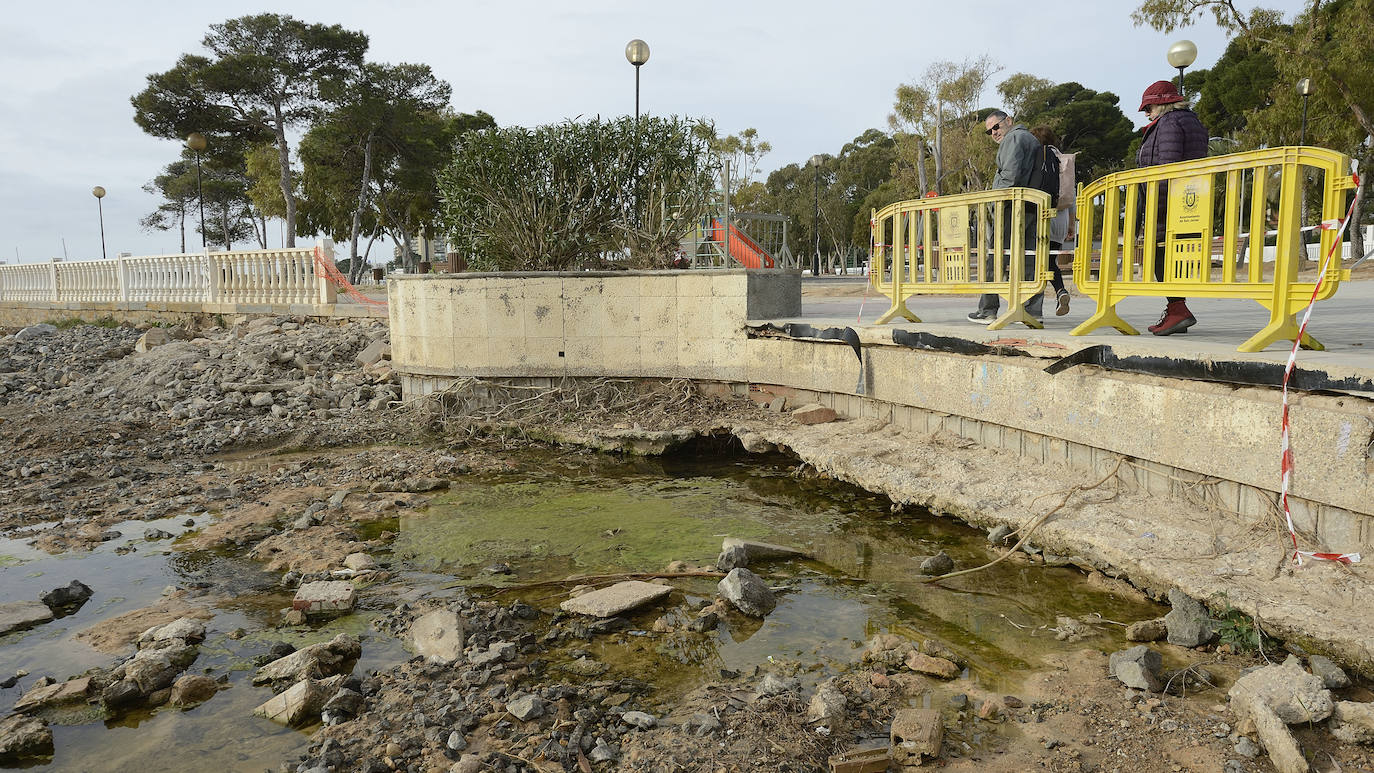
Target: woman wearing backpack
1173, 134
1064, 227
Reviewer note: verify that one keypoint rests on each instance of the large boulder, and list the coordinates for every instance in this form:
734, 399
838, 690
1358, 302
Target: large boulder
1188, 623
22, 614
73, 594
192, 690
188, 630
749, 594
23, 737
301, 703
336, 656
1289, 691
438, 636
70, 691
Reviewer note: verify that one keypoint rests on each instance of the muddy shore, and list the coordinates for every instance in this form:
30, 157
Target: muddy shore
287, 441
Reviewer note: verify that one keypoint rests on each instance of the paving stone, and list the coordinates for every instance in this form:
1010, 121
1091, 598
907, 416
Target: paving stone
325, 597
618, 598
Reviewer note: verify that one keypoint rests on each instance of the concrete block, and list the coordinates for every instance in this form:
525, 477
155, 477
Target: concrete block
325, 597
916, 733
618, 598
438, 636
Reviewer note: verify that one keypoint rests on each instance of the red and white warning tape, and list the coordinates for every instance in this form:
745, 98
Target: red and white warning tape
331, 272
1286, 455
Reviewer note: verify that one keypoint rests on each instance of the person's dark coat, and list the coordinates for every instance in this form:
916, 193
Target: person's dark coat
1177, 135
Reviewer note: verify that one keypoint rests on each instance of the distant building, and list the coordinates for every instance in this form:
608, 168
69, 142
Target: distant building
432, 250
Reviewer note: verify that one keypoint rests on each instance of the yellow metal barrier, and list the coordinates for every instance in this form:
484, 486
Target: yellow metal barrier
950, 244
1207, 220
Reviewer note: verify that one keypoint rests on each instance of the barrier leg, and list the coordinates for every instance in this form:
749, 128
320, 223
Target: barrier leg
898, 309
1016, 313
1281, 327
1105, 316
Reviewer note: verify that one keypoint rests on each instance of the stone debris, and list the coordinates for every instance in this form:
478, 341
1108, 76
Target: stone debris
747, 593
916, 734
1187, 623
325, 597
66, 598
31, 332
617, 599
763, 551
814, 413
1353, 722
1278, 742
940, 563
192, 690
15, 615
438, 635
23, 737
1147, 630
336, 656
1290, 692
1331, 674
301, 703
526, 707
1137, 668
932, 666
41, 697
187, 629
828, 705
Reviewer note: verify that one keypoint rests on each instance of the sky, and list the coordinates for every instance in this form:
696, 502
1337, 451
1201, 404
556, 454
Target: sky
809, 76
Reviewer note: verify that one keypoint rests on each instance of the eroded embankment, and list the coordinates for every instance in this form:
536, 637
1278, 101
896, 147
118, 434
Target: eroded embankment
1155, 542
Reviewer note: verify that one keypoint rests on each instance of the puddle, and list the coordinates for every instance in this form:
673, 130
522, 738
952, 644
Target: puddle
563, 515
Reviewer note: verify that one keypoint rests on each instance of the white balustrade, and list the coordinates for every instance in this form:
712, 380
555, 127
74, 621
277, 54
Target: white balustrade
260, 277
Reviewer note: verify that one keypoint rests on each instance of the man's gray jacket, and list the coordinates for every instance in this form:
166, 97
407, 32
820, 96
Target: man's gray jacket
1016, 157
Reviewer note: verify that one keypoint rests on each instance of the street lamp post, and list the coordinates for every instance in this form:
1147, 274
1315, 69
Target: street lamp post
99, 193
637, 52
816, 223
196, 142
1182, 54
1305, 91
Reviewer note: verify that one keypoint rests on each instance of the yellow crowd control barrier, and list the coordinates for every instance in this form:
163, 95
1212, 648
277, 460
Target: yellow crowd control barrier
951, 245
1198, 229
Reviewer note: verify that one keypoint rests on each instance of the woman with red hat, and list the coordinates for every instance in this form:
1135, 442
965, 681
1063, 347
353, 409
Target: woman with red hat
1174, 133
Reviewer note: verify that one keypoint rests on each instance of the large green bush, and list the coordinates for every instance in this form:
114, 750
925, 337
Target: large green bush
580, 194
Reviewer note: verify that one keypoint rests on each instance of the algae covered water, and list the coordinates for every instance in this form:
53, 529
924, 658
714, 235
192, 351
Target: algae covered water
553, 516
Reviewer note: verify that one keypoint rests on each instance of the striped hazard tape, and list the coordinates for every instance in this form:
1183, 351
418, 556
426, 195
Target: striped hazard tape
1286, 465
332, 273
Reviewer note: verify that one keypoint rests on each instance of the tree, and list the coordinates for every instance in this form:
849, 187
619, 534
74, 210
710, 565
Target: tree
177, 185
744, 151
1089, 123
1238, 84
1329, 42
937, 118
264, 76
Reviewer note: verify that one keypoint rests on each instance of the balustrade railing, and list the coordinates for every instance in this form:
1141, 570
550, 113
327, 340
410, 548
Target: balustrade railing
281, 276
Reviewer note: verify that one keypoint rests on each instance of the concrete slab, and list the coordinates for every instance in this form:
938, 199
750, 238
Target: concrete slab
621, 597
329, 597
22, 614
763, 550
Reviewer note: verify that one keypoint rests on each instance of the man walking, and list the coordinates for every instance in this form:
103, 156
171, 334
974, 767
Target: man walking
1017, 153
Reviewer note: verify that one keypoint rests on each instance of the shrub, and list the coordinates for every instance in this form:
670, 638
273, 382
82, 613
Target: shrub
577, 194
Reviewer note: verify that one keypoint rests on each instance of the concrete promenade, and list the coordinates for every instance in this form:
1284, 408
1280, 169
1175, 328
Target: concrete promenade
1344, 324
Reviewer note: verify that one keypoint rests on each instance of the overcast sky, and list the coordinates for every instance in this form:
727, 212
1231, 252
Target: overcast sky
809, 76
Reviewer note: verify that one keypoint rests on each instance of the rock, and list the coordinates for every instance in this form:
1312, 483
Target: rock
262, 400
155, 337
22, 614
494, 653
916, 733
456, 742
1353, 722
23, 737
1273, 733
1246, 748
438, 636
373, 352
1187, 623
336, 656
706, 621
468, 763
421, 485
639, 719
940, 563
925, 664
936, 649
762, 551
702, 725
827, 706
1147, 630
325, 597
747, 593
185, 629
359, 562
35, 331
1290, 692
755, 443
814, 413
772, 684
1137, 668
526, 707
301, 703
618, 598
192, 690
999, 534
1331, 674
70, 691
153, 670
603, 752
73, 594
345, 705
991, 710
120, 694
732, 557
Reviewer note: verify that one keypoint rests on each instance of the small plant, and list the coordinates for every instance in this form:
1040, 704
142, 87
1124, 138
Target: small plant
1239, 630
